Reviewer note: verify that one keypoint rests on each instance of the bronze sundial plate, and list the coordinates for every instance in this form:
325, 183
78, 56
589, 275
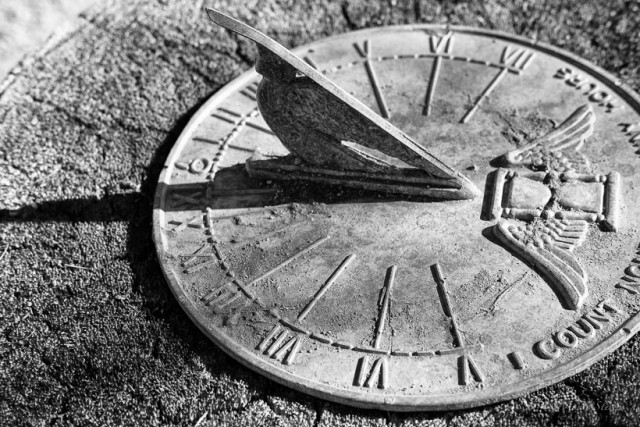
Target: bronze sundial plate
407, 303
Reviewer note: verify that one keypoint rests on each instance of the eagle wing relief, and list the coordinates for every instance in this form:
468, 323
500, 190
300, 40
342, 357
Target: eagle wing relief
545, 213
558, 150
548, 245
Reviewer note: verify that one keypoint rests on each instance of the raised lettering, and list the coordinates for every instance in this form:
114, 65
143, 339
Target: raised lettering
590, 89
279, 346
467, 369
546, 349
566, 339
377, 375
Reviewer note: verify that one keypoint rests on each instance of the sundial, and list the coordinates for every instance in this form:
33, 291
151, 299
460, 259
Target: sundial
408, 218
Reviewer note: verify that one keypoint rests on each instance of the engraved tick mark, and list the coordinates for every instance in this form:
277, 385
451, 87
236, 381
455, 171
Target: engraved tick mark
516, 360
330, 281
514, 61
365, 52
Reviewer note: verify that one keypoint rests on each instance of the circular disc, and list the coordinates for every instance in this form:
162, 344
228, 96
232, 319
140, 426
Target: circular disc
404, 303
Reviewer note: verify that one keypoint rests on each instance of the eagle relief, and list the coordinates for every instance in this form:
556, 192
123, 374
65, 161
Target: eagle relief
546, 196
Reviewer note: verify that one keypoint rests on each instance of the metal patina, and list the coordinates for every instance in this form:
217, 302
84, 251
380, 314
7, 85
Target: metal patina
413, 218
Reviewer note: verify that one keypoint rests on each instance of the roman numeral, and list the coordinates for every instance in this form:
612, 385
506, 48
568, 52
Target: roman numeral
239, 122
377, 374
280, 346
365, 52
222, 297
237, 119
517, 59
439, 45
251, 91
514, 61
191, 222
190, 266
227, 115
219, 142
467, 369
182, 201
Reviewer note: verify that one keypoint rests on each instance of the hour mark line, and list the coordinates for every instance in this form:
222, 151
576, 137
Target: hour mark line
291, 258
332, 279
485, 93
467, 367
439, 46
384, 304
517, 60
435, 72
441, 283
365, 52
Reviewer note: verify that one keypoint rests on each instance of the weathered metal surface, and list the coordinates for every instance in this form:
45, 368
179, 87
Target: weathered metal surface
402, 302
330, 130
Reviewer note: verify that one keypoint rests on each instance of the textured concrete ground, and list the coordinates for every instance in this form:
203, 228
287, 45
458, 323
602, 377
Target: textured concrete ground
26, 24
89, 331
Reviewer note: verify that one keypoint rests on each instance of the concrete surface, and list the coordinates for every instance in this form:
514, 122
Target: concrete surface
26, 24
89, 331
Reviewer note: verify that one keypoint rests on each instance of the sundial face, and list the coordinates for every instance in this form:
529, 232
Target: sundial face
405, 302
